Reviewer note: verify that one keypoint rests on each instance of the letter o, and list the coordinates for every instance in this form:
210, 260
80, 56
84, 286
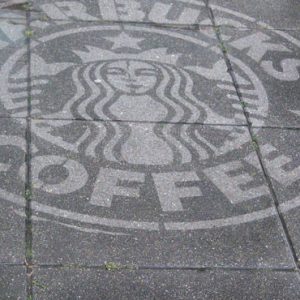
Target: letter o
77, 174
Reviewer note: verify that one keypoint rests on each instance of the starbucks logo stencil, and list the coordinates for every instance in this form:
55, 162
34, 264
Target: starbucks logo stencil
139, 128
127, 81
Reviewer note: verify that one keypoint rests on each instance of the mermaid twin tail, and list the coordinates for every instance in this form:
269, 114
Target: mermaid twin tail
145, 148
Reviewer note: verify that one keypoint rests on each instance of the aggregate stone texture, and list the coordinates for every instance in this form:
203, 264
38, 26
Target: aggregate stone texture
12, 202
276, 13
182, 12
274, 57
280, 153
156, 284
12, 282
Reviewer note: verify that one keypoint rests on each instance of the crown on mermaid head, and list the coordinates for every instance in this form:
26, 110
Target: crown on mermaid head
98, 54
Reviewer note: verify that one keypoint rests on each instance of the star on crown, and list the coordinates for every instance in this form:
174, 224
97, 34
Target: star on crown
123, 40
94, 54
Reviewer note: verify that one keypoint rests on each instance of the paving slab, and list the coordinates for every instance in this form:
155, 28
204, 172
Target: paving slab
280, 152
151, 194
13, 61
78, 283
130, 73
12, 282
276, 13
158, 11
274, 58
12, 156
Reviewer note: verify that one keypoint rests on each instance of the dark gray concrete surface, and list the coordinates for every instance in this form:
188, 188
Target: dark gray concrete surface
79, 283
12, 282
280, 153
276, 13
156, 137
12, 218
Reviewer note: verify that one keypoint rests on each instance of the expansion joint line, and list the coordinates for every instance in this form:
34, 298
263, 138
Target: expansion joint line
28, 183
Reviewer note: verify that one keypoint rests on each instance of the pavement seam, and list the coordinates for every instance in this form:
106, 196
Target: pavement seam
137, 122
134, 267
187, 26
28, 183
21, 18
129, 267
20, 264
293, 128
255, 142
181, 26
276, 127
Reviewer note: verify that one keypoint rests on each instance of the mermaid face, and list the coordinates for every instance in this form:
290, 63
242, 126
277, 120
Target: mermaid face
131, 77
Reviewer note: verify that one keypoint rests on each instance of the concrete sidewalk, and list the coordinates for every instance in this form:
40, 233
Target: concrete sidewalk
150, 149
